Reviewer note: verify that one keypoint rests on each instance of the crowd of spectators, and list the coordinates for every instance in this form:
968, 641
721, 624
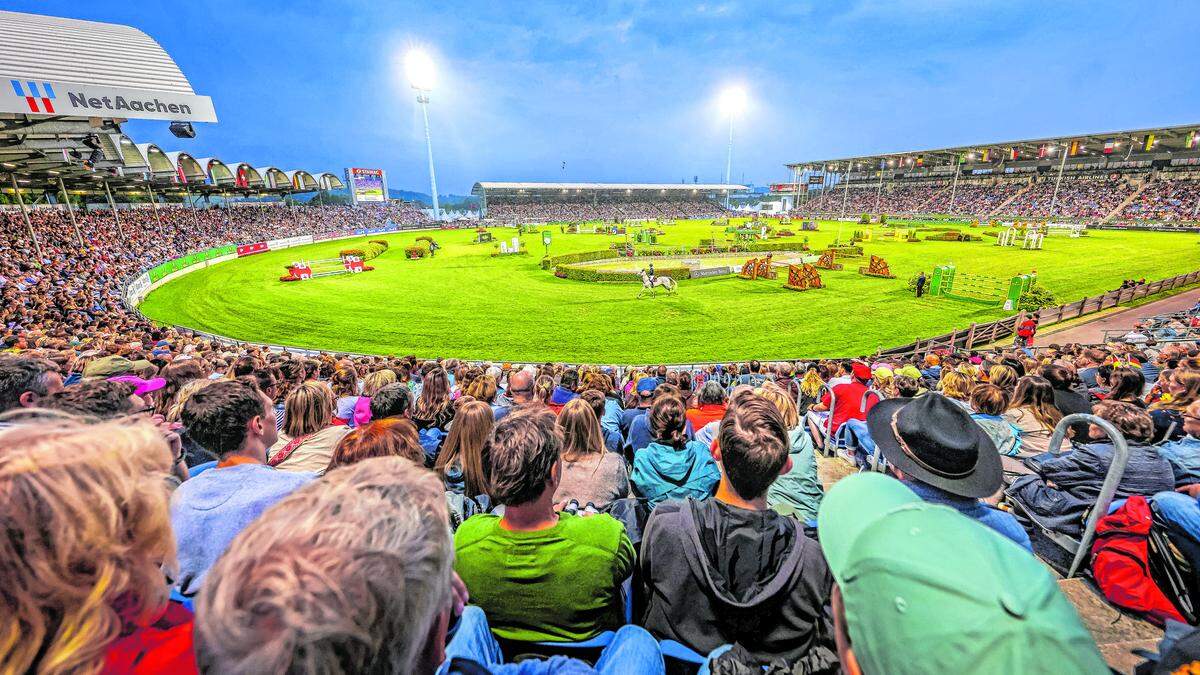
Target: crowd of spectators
1086, 198
174, 504
1090, 198
603, 209
1165, 201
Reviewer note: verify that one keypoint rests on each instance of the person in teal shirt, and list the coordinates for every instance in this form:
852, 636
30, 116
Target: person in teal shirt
672, 467
538, 574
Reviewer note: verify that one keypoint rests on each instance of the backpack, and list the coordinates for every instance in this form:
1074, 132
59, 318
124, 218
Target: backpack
1121, 564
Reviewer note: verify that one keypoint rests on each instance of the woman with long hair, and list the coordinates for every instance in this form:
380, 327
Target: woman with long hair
591, 474
346, 397
1182, 390
309, 435
671, 466
176, 375
83, 550
1124, 384
460, 460
1033, 412
956, 386
798, 492
433, 409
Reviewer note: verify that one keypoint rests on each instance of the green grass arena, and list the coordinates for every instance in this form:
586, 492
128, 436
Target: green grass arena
464, 303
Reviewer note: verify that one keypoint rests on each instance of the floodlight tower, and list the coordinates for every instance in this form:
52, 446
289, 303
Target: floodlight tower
419, 68
733, 102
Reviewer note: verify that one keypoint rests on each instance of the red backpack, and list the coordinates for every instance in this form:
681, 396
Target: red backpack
1121, 565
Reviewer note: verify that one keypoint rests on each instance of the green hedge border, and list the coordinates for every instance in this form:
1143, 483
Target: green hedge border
591, 274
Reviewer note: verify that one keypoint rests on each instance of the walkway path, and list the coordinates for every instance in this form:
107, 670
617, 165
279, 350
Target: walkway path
1092, 332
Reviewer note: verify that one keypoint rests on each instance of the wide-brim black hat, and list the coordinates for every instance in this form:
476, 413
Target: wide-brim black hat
935, 441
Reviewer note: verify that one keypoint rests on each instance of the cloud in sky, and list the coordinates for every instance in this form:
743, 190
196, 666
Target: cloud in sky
626, 91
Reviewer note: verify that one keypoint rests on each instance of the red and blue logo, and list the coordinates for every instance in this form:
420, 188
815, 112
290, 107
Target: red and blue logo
33, 95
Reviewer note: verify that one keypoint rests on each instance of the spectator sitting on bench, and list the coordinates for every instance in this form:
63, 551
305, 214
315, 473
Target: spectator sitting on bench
728, 568
671, 466
1067, 485
540, 575
904, 570
941, 454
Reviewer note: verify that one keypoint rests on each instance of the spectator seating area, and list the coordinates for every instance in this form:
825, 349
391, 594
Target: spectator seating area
1162, 199
611, 211
203, 507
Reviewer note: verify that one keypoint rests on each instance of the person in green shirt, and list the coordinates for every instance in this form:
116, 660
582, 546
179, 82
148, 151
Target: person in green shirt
538, 574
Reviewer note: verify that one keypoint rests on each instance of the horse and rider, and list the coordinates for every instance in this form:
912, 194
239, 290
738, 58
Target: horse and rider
651, 283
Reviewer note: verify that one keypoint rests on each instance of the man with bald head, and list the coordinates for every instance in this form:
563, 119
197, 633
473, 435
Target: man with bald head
519, 393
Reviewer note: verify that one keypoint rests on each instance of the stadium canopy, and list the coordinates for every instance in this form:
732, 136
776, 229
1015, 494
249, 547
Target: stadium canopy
1156, 142
67, 86
501, 189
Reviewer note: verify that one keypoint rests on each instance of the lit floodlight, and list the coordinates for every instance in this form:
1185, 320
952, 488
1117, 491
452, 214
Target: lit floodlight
419, 68
733, 101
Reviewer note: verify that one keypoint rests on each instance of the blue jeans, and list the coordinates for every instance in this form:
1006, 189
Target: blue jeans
858, 438
632, 650
1181, 512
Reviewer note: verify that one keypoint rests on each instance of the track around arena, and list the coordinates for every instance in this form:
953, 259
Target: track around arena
465, 303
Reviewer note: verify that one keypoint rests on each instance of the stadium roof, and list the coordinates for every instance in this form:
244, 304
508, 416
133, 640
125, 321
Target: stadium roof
72, 67
502, 187
66, 86
1161, 140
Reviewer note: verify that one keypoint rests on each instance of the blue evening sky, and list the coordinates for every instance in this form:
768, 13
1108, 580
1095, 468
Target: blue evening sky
626, 91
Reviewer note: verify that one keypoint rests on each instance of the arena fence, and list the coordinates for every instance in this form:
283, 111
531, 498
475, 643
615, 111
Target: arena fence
980, 334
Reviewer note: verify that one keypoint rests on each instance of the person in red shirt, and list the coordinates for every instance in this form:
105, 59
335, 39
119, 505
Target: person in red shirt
1026, 330
846, 402
710, 408
87, 537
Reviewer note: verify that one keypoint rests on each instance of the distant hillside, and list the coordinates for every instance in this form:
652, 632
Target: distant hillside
444, 201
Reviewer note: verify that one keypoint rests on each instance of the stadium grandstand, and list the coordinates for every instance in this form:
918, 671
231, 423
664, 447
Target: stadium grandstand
1143, 177
546, 202
177, 502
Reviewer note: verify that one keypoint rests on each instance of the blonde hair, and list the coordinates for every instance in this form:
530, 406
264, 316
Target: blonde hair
86, 533
186, 391
308, 409
580, 430
782, 402
378, 380
346, 574
955, 385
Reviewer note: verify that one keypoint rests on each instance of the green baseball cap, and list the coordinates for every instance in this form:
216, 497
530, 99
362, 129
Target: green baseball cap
108, 366
929, 590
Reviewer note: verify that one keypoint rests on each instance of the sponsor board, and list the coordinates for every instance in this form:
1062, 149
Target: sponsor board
288, 242
53, 97
251, 249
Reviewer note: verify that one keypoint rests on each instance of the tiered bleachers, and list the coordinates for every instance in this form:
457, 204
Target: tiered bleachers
1167, 201
602, 210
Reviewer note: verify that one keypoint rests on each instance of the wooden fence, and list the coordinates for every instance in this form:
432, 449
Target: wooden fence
978, 334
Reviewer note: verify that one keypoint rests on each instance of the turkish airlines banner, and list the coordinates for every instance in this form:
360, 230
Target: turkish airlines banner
250, 249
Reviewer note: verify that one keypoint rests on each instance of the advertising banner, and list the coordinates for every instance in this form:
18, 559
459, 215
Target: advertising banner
288, 242
251, 249
40, 97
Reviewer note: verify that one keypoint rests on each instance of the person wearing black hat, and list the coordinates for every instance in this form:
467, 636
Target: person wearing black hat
934, 447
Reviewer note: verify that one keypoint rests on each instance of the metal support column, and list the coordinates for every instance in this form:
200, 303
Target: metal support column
71, 212
845, 191
954, 186
37, 246
153, 204
113, 205
1057, 182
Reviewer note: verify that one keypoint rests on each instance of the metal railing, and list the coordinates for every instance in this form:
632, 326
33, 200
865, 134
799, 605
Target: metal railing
979, 334
1116, 471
